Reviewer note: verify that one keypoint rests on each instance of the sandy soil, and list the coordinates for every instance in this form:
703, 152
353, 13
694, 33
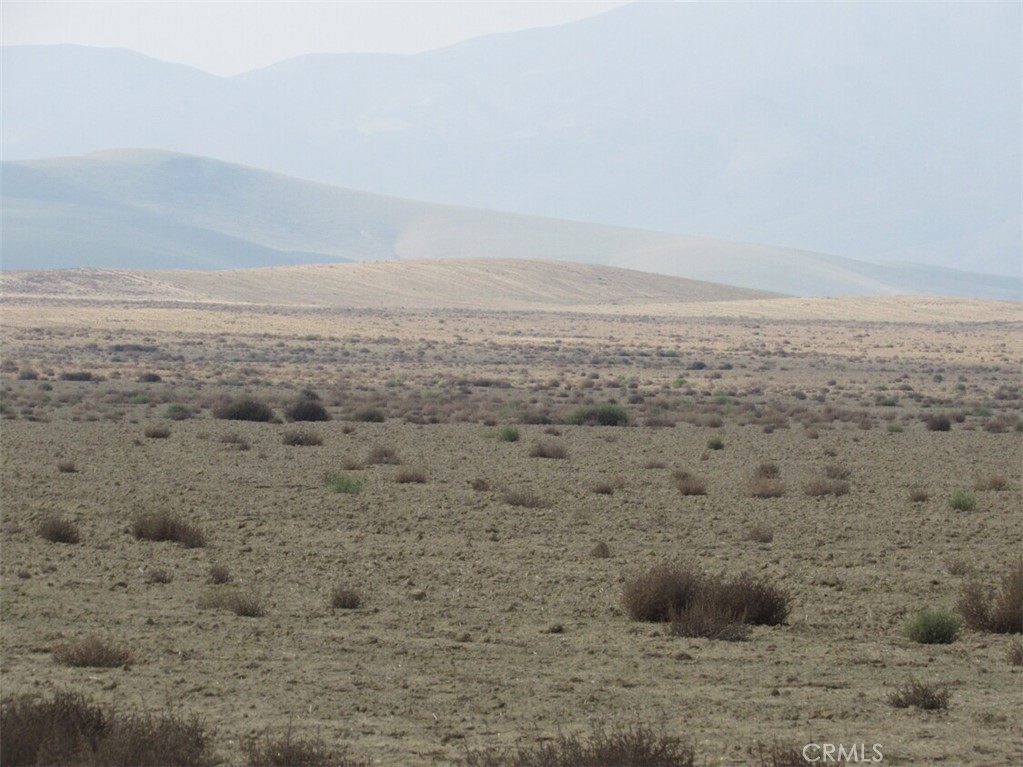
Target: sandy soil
485, 623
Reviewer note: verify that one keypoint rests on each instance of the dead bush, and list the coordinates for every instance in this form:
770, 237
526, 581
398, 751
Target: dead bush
243, 409
219, 574
242, 603
343, 598
522, 498
767, 471
307, 409
780, 756
991, 482
766, 488
637, 746
928, 697
661, 592
66, 467
918, 495
159, 576
157, 432
410, 476
760, 534
998, 611
836, 471
382, 455
820, 487
301, 438
289, 751
1015, 653
59, 530
689, 484
548, 450
164, 526
709, 620
71, 731
92, 652
938, 423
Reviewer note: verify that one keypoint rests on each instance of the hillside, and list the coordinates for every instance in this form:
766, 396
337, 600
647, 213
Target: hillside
886, 131
147, 209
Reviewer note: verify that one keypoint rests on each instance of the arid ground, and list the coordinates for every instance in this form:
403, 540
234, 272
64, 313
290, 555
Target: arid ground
484, 623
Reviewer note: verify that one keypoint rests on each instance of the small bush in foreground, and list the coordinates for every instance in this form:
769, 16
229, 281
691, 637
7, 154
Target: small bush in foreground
962, 500
382, 455
301, 438
600, 415
219, 574
244, 409
71, 731
820, 487
938, 423
92, 652
59, 530
508, 434
660, 592
636, 746
933, 627
289, 751
307, 410
1000, 612
767, 471
765, 487
522, 498
177, 412
715, 443
928, 697
709, 620
241, 603
369, 415
157, 432
66, 467
343, 483
1015, 653
410, 476
918, 495
162, 526
548, 450
689, 484
159, 576
343, 598
780, 756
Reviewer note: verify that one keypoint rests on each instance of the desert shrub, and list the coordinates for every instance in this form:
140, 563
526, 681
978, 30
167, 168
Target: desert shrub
1000, 611
760, 534
962, 500
655, 463
382, 455
1015, 653
343, 483
177, 412
219, 574
548, 450
767, 471
159, 575
410, 477
92, 652
689, 484
600, 550
938, 423
522, 498
77, 375
28, 375
307, 410
836, 471
244, 409
918, 495
480, 485
369, 415
636, 746
343, 598
780, 756
608, 487
242, 603
928, 697
150, 378
991, 482
933, 627
157, 432
301, 438
710, 620
163, 526
819, 487
66, 467
715, 443
660, 592
508, 434
71, 731
289, 751
766, 488
59, 530
751, 600
606, 414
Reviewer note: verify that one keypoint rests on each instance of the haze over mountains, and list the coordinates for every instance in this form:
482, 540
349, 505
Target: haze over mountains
136, 209
874, 132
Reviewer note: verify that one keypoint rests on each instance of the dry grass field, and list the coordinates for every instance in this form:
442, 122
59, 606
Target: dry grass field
438, 570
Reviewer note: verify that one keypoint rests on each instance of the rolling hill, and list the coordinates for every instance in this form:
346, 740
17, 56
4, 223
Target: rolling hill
147, 209
889, 132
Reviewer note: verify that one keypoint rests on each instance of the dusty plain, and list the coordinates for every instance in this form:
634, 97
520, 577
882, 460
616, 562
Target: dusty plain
484, 623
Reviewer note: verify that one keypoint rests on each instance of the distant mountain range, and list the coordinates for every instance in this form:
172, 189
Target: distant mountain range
889, 132
147, 209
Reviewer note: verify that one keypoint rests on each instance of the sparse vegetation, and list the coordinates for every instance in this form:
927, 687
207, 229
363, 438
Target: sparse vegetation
820, 487
929, 697
998, 611
918, 495
157, 432
991, 482
382, 455
600, 550
410, 477
344, 598
715, 443
343, 483
66, 467
307, 409
689, 484
548, 450
227, 597
177, 412
301, 438
760, 534
163, 526
244, 409
219, 574
933, 627
522, 498
962, 500
92, 652
938, 423
289, 751
508, 434
59, 530
369, 415
600, 415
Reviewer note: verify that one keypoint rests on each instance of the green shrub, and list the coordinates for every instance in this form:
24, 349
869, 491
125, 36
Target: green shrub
963, 500
933, 627
715, 443
606, 414
508, 434
244, 409
343, 483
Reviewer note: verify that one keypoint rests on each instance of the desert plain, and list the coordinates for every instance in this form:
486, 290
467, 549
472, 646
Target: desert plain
490, 577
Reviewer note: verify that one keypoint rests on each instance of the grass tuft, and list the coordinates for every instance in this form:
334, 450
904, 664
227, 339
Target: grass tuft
59, 530
929, 697
933, 627
92, 652
163, 526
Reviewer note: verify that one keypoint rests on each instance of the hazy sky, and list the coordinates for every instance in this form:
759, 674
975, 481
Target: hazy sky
226, 38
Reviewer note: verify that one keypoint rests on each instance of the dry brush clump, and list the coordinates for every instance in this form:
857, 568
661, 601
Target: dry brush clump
998, 611
688, 483
307, 409
301, 438
244, 409
242, 603
817, 488
71, 731
548, 450
59, 530
344, 598
522, 498
635, 746
288, 750
92, 652
407, 476
382, 455
929, 697
164, 526
157, 432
